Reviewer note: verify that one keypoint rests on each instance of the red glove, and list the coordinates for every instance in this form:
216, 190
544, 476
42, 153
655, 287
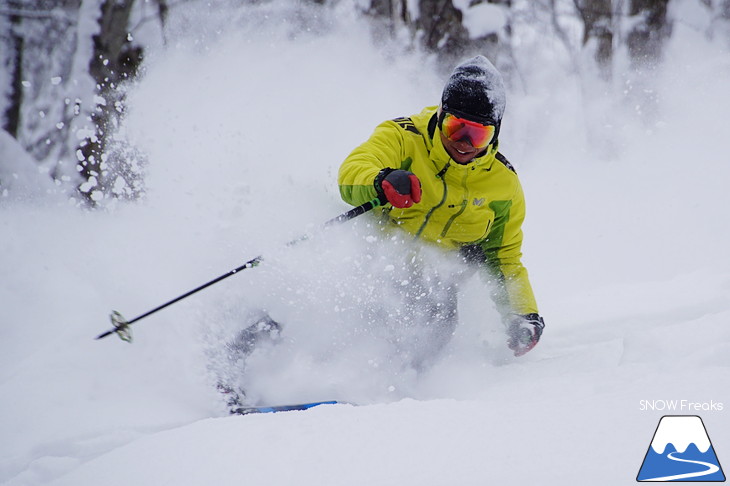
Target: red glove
524, 332
398, 187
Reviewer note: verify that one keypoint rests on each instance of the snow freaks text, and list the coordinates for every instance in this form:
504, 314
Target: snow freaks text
680, 406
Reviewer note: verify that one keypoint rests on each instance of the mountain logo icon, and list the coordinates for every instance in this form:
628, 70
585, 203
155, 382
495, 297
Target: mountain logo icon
681, 451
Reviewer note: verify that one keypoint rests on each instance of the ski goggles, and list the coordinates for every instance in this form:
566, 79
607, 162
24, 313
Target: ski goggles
456, 128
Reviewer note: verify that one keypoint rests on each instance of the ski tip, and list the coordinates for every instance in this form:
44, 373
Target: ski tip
283, 408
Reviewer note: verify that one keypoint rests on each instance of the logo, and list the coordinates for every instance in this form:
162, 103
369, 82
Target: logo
681, 451
407, 124
478, 201
681, 406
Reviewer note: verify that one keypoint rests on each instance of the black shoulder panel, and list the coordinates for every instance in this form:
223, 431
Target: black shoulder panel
432, 125
506, 162
407, 124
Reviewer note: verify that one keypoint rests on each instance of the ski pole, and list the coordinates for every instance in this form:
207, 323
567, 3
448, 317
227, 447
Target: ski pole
121, 325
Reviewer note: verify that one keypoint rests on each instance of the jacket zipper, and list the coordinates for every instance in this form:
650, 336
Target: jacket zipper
464, 204
440, 175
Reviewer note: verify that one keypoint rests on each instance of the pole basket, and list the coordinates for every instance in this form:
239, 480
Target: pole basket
121, 326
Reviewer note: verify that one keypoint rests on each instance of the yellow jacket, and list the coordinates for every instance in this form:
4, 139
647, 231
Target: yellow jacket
476, 207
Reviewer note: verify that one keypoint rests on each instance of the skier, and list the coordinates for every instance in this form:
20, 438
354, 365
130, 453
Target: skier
442, 179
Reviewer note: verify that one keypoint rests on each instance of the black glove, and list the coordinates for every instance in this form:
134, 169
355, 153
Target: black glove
398, 187
523, 332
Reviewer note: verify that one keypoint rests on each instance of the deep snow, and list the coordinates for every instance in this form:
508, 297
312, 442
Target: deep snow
626, 243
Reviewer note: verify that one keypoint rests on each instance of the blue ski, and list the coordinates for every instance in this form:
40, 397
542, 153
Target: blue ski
281, 408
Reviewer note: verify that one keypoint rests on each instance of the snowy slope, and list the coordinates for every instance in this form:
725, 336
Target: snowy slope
626, 243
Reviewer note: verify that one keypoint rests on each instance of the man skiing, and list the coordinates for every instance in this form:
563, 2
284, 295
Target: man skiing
442, 179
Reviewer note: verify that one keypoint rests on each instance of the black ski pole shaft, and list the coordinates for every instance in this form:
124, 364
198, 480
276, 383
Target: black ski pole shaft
121, 326
355, 212
249, 264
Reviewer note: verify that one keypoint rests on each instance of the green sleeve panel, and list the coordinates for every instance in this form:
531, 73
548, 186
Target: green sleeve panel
503, 257
354, 194
357, 173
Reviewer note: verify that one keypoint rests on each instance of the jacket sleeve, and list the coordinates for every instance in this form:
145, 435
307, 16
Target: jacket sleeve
502, 249
357, 173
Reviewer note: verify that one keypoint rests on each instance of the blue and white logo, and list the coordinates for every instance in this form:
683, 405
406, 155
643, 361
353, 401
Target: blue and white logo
681, 451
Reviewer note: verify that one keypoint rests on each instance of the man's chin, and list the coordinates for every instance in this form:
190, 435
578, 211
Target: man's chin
463, 158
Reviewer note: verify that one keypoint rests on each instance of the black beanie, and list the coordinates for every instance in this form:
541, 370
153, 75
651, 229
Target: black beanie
475, 91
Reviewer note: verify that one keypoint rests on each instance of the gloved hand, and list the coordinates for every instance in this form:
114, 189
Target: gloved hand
524, 332
398, 187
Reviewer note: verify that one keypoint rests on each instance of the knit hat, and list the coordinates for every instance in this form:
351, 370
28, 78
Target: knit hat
475, 91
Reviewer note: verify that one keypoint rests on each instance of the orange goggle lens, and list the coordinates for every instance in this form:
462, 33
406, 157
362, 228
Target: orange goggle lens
456, 129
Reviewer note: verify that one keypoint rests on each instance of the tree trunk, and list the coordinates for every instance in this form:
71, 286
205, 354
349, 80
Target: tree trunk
440, 26
392, 9
440, 29
115, 60
646, 39
11, 121
389, 16
597, 17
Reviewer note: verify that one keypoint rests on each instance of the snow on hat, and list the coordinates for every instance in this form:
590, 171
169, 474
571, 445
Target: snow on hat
475, 90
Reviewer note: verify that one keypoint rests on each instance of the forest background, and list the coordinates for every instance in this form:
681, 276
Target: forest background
66, 65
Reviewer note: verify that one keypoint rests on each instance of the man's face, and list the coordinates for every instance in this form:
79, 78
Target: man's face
464, 139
